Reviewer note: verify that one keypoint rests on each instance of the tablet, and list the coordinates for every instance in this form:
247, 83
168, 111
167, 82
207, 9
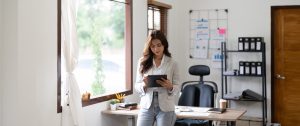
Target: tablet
152, 80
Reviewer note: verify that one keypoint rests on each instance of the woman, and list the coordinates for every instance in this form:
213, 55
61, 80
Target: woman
157, 103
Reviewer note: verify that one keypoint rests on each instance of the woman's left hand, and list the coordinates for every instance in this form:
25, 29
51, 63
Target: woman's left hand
165, 83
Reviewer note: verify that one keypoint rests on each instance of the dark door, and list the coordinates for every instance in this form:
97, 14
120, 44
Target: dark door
285, 88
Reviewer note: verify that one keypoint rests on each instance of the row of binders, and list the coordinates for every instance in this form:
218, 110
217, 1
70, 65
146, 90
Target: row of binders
250, 68
250, 43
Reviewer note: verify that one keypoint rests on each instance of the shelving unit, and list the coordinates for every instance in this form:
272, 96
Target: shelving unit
224, 79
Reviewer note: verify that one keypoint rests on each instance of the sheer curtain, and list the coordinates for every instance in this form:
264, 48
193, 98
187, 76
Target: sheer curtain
72, 113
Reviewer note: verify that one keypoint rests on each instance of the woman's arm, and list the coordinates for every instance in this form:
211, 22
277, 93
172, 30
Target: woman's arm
139, 83
175, 79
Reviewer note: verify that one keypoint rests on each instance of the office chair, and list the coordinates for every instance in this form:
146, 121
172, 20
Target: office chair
197, 93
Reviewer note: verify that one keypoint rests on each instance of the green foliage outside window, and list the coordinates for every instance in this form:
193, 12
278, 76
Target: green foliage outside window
100, 24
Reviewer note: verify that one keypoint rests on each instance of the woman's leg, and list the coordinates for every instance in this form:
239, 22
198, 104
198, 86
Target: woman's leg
146, 117
166, 118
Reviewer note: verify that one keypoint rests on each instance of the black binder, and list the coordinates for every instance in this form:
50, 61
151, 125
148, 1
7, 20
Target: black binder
246, 44
253, 68
241, 68
252, 44
258, 68
241, 44
247, 68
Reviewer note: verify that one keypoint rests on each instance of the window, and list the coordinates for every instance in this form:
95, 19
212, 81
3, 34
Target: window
104, 30
153, 18
157, 16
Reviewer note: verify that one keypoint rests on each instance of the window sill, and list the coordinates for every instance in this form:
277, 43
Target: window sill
103, 98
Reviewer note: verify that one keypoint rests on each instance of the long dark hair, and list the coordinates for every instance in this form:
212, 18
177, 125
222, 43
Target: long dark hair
147, 60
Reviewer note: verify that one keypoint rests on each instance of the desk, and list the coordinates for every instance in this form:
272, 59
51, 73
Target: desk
231, 115
130, 113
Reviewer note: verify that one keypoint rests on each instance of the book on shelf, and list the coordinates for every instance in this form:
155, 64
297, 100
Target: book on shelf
233, 96
251, 95
245, 95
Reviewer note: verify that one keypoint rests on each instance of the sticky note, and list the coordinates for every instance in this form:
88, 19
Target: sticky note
222, 31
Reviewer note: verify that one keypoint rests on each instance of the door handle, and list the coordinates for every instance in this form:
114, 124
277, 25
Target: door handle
278, 76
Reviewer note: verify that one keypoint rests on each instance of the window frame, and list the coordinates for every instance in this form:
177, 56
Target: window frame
58, 62
128, 50
163, 9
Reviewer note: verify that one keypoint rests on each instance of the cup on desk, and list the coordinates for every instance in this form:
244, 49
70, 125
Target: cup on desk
223, 103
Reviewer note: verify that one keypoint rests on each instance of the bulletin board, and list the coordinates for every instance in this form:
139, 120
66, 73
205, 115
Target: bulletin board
208, 28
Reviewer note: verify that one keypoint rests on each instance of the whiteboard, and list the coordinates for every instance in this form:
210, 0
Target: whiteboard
208, 28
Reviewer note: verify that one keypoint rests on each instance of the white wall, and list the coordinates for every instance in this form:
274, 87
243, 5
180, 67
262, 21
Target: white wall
29, 63
1, 73
9, 63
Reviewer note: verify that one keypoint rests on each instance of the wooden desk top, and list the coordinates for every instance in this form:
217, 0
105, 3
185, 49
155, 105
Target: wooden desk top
196, 113
134, 112
201, 113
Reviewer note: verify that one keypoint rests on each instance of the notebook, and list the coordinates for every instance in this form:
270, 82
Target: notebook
217, 110
127, 104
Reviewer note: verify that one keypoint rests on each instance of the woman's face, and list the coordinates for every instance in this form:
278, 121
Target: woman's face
157, 47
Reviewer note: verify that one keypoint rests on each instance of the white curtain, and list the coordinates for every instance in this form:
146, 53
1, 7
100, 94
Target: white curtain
72, 113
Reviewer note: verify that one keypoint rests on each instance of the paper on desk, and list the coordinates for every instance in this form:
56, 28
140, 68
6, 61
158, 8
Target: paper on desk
201, 110
190, 109
185, 109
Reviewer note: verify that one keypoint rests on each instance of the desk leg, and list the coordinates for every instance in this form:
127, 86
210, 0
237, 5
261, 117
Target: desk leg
131, 121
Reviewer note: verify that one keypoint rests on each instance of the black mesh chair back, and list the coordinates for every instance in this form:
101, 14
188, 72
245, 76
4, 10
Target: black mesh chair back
189, 96
197, 93
206, 96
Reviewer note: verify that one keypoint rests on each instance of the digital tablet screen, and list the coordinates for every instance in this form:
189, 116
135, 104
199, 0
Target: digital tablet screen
152, 80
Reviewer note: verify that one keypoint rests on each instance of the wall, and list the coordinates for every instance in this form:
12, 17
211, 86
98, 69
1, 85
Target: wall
1, 73
9, 62
245, 18
28, 58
